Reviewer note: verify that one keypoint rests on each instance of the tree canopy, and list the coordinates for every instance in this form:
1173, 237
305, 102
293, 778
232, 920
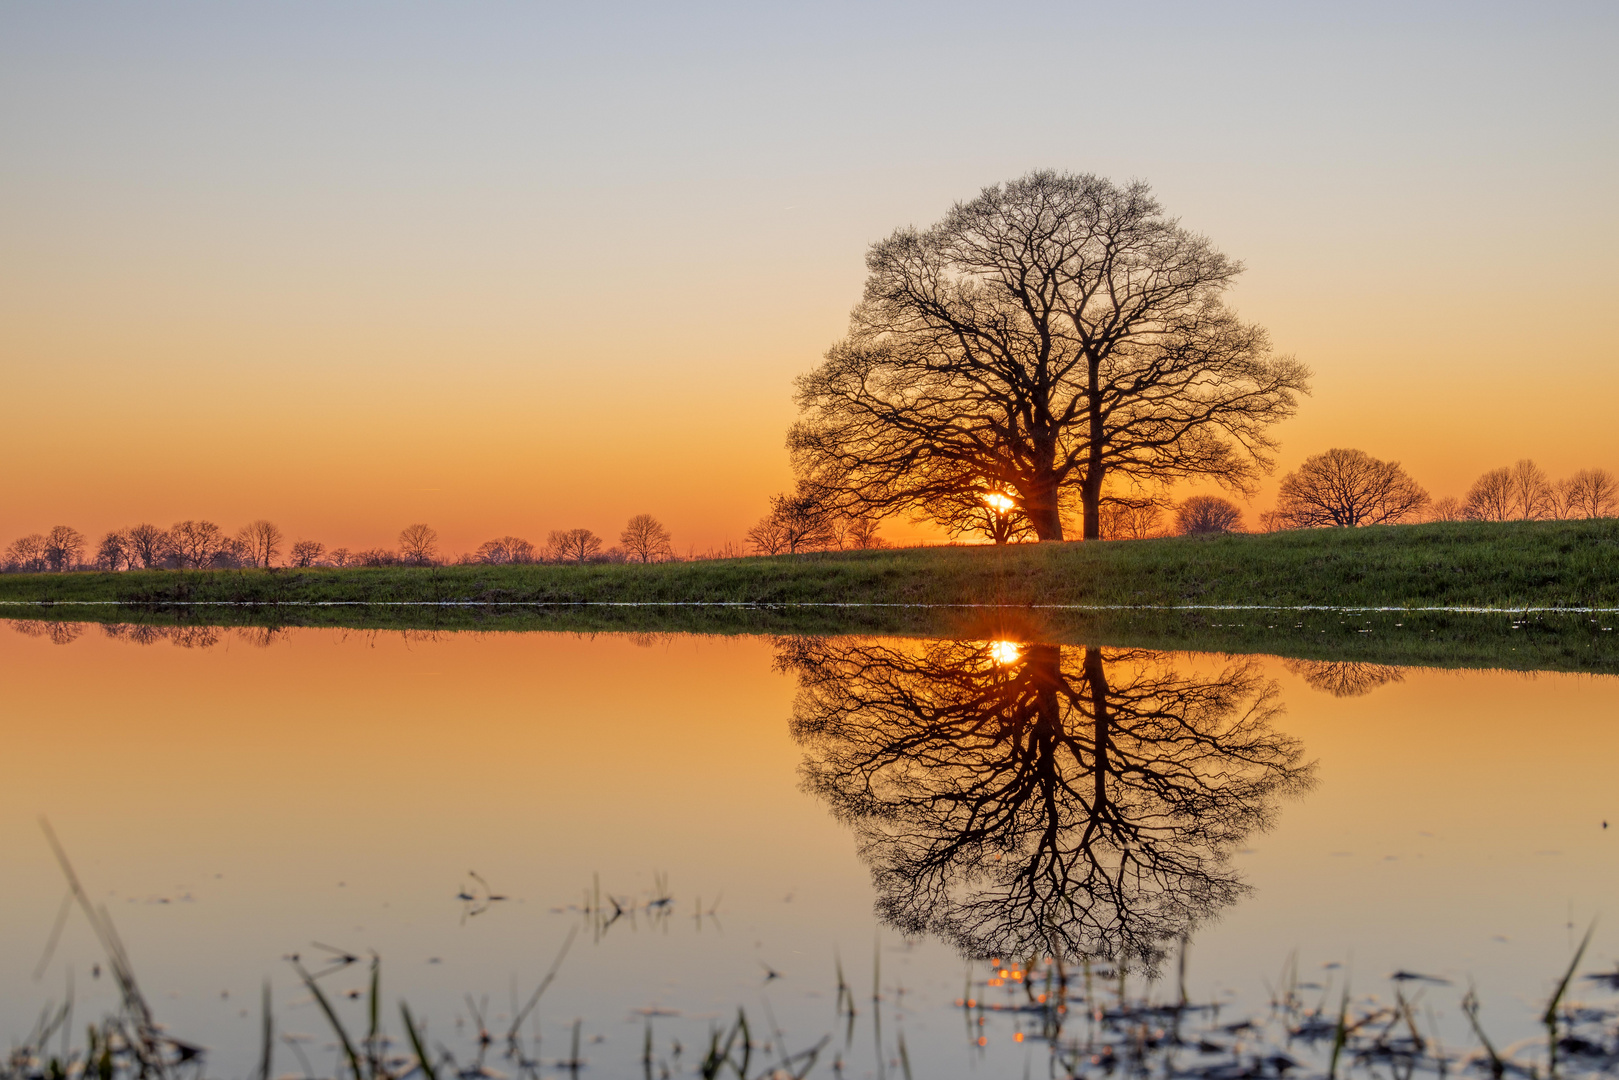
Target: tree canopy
1056, 338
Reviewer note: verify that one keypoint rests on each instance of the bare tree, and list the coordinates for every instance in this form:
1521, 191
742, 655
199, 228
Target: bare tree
418, 544
859, 533
63, 546
1131, 519
645, 539
1531, 492
767, 537
193, 544
507, 549
1051, 335
340, 556
1204, 514
1347, 488
115, 552
1448, 508
1589, 493
1490, 497
262, 540
797, 522
306, 553
27, 553
149, 545
572, 545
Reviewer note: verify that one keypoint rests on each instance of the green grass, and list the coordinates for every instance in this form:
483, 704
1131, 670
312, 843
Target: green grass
1573, 563
1538, 564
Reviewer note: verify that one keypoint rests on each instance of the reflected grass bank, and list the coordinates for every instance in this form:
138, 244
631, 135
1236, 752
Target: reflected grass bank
1571, 641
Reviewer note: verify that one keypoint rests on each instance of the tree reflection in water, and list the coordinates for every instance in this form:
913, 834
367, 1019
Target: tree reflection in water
1041, 800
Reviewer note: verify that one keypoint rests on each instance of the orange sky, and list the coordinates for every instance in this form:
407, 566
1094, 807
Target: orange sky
519, 271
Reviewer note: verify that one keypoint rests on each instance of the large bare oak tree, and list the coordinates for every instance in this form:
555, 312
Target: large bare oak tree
1055, 338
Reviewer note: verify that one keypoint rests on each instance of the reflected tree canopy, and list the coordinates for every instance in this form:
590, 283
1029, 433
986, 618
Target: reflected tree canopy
1041, 800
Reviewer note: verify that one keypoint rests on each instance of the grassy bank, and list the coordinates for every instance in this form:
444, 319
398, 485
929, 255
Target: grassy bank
1558, 564
1540, 564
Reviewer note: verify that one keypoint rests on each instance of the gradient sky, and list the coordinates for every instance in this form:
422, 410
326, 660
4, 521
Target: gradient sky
515, 267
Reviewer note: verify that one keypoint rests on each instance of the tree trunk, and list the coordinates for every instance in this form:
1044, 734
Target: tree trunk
1040, 506
1090, 498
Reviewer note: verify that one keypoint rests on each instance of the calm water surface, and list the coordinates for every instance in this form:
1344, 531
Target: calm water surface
764, 808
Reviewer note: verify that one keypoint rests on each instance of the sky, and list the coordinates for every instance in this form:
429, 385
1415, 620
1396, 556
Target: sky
506, 268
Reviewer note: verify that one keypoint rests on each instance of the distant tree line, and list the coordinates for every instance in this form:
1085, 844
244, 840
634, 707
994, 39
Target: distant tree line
203, 545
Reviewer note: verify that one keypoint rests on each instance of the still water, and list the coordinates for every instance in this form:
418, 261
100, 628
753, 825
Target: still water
725, 822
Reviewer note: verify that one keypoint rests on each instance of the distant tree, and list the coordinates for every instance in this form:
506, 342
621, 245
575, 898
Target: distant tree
27, 553
1531, 492
1490, 497
418, 544
149, 545
1131, 519
646, 540
1346, 489
306, 553
1589, 493
572, 545
1448, 508
231, 554
340, 556
262, 540
797, 522
1054, 334
63, 546
193, 544
375, 557
115, 552
507, 549
859, 533
767, 537
1203, 514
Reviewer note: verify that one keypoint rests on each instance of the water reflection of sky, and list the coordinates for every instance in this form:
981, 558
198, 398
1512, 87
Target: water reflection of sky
235, 796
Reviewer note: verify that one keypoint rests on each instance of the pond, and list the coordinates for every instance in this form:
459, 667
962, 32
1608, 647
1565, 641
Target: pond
849, 838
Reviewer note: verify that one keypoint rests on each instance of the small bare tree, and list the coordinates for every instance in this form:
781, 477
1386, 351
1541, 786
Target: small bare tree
262, 540
418, 544
27, 553
1490, 497
1131, 519
1531, 493
193, 544
507, 549
306, 553
1448, 508
645, 539
767, 537
1346, 489
1205, 514
797, 522
63, 546
1589, 493
340, 556
859, 533
149, 545
115, 552
572, 545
